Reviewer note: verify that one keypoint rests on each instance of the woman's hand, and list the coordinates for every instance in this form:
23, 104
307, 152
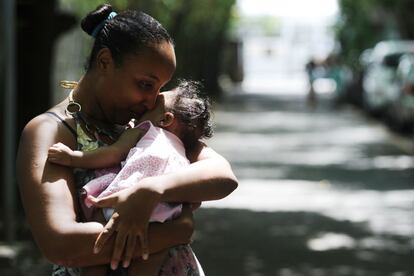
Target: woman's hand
132, 210
182, 228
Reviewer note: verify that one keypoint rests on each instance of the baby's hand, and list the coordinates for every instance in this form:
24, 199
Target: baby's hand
60, 154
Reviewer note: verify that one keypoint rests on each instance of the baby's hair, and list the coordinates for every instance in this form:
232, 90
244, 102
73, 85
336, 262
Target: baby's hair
192, 108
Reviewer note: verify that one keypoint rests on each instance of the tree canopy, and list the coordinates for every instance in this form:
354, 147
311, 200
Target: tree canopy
364, 23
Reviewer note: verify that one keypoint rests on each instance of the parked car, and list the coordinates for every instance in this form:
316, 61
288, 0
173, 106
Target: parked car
381, 86
401, 112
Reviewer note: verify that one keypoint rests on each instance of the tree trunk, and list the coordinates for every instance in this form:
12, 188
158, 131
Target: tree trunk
39, 24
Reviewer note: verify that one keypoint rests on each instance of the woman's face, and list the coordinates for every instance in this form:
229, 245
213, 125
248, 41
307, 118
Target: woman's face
163, 103
132, 88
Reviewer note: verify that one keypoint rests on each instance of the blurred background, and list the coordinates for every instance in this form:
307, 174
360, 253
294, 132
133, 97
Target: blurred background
314, 108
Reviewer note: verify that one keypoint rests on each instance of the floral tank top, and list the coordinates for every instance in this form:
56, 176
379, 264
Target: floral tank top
180, 260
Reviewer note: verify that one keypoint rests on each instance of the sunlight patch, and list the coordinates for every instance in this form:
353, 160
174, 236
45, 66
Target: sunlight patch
329, 241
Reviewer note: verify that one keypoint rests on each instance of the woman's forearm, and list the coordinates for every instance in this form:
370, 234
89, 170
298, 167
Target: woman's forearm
75, 247
208, 179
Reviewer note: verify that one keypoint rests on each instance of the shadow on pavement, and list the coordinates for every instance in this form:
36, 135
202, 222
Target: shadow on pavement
378, 179
242, 242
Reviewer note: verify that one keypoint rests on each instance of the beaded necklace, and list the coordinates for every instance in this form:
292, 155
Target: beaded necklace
74, 109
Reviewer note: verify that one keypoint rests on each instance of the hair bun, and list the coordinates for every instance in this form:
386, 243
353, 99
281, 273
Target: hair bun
94, 18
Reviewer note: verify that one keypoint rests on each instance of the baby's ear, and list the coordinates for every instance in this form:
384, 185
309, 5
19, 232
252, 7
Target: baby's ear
167, 120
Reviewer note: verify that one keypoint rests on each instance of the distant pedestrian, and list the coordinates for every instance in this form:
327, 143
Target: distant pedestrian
310, 68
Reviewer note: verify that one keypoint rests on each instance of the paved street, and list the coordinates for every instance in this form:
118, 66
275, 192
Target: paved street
324, 191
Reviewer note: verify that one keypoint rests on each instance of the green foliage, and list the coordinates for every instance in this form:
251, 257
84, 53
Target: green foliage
356, 30
81, 8
199, 29
364, 23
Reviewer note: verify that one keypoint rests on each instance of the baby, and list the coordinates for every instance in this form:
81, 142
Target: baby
157, 145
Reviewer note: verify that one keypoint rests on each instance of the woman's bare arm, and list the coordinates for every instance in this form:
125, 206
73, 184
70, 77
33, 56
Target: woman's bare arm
49, 198
209, 177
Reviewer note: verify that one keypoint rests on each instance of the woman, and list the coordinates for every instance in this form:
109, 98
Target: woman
131, 60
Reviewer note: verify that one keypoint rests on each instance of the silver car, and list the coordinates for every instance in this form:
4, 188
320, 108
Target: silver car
401, 112
381, 86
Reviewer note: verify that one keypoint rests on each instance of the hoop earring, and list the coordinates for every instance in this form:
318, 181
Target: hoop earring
72, 107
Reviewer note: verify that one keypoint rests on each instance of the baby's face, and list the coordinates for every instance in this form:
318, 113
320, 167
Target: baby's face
156, 114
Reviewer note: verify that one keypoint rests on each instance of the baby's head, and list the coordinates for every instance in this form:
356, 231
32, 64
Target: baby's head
183, 111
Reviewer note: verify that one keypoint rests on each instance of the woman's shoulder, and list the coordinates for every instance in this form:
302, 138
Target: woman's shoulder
42, 123
49, 126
